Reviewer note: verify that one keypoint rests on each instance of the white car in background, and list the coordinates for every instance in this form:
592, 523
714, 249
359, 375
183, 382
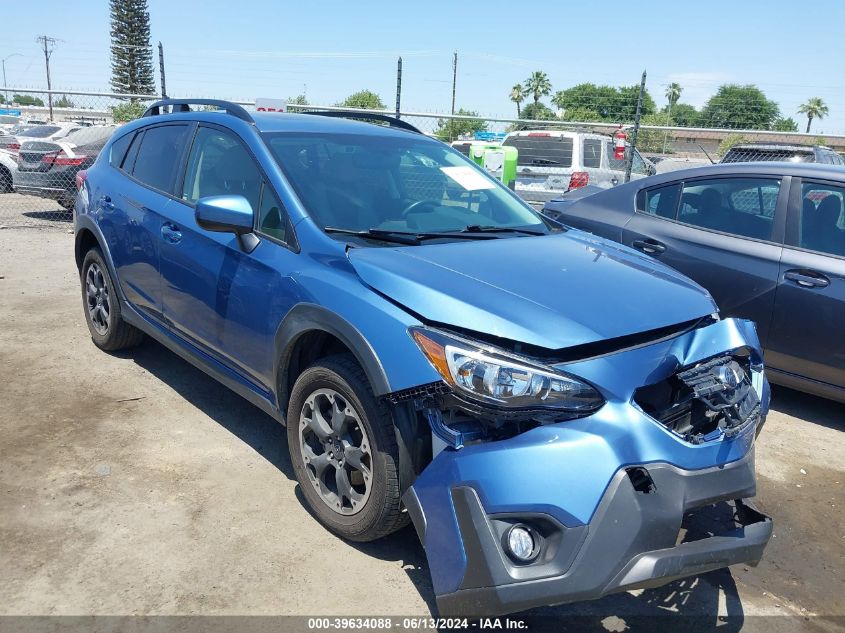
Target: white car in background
46, 132
8, 165
552, 162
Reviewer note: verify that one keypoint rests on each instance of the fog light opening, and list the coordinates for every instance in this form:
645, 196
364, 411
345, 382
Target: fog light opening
641, 480
522, 543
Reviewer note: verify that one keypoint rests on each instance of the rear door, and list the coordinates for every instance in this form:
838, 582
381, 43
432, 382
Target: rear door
806, 337
223, 300
725, 233
132, 211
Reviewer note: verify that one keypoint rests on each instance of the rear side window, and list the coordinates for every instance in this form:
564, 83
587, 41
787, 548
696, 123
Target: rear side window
592, 152
158, 156
740, 206
542, 150
822, 222
660, 201
118, 150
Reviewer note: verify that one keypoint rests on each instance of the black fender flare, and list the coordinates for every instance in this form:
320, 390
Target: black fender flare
85, 222
307, 317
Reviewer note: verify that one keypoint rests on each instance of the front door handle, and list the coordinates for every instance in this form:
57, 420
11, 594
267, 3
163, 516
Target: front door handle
807, 278
650, 246
171, 233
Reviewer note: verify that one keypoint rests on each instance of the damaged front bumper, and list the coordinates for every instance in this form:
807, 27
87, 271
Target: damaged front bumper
608, 498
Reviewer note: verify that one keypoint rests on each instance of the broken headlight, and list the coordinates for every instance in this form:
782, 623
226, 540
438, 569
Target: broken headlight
495, 377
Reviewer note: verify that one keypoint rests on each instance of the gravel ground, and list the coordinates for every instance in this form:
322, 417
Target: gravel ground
134, 484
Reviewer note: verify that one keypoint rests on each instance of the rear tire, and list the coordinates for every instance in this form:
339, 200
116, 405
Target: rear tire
102, 307
342, 445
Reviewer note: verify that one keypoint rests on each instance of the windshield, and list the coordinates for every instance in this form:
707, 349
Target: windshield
403, 183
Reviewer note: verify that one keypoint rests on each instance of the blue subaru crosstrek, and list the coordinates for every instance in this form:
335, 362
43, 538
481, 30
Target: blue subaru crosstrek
553, 412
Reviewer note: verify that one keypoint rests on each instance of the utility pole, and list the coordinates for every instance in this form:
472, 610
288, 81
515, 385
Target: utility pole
48, 44
636, 130
454, 84
161, 70
398, 86
4, 72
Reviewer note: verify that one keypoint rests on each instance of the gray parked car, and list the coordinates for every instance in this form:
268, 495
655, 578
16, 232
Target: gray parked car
792, 152
766, 239
552, 162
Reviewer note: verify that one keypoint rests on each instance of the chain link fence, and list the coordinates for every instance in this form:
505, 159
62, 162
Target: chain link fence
47, 139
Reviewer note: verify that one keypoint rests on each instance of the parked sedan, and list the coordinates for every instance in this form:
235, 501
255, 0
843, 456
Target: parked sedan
48, 168
766, 239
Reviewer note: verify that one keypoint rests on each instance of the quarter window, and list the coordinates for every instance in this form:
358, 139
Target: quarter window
739, 206
592, 152
118, 150
158, 156
272, 217
822, 222
219, 165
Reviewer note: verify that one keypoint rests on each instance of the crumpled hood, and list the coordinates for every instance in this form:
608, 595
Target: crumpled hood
554, 291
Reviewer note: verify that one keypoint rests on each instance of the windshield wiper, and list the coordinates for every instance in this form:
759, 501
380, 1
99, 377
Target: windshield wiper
406, 237
544, 161
477, 228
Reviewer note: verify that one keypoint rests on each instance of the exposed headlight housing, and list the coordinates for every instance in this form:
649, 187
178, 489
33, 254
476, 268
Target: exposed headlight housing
496, 378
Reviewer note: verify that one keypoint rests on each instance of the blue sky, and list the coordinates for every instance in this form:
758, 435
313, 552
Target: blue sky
277, 48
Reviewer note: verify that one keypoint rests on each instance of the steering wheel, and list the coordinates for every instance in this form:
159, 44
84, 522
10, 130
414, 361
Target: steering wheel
414, 207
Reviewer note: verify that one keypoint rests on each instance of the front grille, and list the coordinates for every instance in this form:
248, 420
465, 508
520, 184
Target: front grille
710, 399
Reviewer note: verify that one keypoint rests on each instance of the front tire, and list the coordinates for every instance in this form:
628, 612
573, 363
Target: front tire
102, 307
342, 445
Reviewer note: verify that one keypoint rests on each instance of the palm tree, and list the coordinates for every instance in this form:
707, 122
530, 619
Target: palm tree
815, 108
538, 86
518, 96
673, 93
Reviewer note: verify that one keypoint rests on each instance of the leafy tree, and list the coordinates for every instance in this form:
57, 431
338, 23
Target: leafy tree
673, 93
728, 142
785, 125
814, 108
820, 140
538, 85
538, 111
739, 107
2, 99
450, 129
131, 53
683, 115
654, 140
63, 102
518, 96
127, 111
365, 99
27, 100
589, 102
298, 100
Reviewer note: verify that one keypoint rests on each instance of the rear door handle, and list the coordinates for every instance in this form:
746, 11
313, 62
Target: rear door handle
650, 246
807, 278
171, 233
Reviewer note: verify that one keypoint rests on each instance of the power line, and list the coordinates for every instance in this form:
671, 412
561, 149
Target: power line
49, 44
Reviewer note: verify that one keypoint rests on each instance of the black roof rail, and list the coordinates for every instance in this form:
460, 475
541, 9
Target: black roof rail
184, 105
392, 121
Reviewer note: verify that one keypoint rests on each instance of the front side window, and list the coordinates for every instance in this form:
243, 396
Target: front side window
404, 183
822, 222
158, 156
740, 206
219, 165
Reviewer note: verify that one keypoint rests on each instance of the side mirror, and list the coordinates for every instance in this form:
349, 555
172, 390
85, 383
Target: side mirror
228, 214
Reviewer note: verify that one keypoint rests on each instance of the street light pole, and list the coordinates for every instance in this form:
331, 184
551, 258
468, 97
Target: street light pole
4, 71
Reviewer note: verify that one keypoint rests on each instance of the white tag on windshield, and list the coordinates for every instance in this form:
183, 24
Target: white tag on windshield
468, 178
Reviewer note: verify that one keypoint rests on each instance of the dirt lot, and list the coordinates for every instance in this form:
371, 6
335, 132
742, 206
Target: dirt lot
134, 484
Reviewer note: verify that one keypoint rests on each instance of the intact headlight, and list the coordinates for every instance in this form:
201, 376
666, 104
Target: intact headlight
497, 378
